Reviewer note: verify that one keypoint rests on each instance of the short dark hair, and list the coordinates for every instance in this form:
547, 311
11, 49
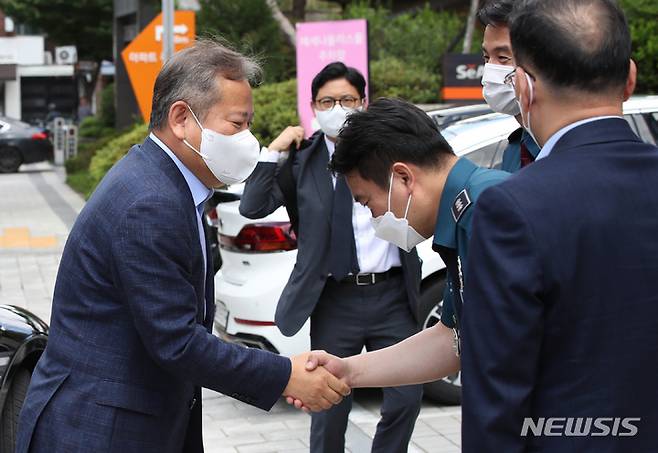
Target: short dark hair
389, 131
496, 13
335, 71
581, 44
191, 76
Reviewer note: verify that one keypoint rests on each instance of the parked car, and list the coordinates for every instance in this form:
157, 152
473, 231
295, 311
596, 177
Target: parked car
21, 143
258, 256
446, 116
23, 339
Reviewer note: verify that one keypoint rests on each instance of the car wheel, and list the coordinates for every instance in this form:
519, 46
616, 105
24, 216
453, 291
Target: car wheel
10, 159
12, 410
447, 390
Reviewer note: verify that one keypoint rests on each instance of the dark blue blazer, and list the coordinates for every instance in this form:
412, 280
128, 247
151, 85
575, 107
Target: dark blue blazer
561, 300
129, 346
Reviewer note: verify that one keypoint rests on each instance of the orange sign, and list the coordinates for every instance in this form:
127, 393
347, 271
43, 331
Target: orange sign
143, 56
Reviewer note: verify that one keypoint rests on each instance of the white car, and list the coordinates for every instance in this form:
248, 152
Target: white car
258, 255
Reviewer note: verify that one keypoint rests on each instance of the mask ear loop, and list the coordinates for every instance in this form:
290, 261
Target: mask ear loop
390, 189
195, 118
200, 126
406, 211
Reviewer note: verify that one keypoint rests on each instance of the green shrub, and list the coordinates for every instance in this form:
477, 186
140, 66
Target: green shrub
275, 107
80, 182
93, 127
391, 77
642, 18
114, 150
107, 112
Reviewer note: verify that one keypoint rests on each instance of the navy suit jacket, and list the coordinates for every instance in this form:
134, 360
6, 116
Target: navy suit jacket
129, 347
561, 301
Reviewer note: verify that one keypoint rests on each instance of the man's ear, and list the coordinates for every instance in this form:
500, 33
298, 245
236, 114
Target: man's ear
178, 115
631, 81
404, 173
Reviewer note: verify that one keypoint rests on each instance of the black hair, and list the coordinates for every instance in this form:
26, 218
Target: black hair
496, 13
389, 131
338, 70
581, 44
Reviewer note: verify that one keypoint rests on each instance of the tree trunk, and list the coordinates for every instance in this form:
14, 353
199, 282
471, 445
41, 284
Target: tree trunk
284, 24
470, 26
299, 10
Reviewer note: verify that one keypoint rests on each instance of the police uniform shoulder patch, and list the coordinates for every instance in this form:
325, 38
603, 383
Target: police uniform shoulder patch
460, 205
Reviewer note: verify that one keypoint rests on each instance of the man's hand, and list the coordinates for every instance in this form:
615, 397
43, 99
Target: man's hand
338, 367
315, 390
290, 135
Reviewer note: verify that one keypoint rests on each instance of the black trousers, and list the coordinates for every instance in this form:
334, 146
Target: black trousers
347, 318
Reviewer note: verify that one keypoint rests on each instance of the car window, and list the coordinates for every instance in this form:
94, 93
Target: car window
484, 157
652, 122
631, 122
643, 129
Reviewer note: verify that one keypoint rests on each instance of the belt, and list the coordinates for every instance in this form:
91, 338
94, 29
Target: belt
371, 278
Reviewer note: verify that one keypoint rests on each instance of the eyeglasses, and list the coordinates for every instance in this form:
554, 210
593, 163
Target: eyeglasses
346, 102
510, 79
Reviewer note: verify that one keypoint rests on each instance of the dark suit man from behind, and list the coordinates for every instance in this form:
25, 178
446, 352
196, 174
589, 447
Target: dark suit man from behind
359, 291
130, 341
560, 330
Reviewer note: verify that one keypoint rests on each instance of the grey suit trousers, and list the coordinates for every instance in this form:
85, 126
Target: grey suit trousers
346, 319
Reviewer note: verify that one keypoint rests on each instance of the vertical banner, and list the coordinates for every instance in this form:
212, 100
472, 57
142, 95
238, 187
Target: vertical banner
321, 43
143, 56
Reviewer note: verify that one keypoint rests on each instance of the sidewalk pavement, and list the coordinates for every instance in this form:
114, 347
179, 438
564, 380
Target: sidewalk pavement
37, 211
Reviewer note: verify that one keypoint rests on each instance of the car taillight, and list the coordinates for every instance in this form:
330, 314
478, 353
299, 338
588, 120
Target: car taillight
261, 238
40, 136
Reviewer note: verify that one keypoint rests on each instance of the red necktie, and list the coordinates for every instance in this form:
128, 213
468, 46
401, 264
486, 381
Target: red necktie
526, 157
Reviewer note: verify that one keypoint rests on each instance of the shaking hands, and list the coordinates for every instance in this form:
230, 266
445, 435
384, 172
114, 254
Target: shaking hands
318, 381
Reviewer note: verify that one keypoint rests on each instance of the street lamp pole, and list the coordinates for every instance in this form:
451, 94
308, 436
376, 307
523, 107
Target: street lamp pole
167, 29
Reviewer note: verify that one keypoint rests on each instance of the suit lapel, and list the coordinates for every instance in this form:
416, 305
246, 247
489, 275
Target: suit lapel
164, 162
319, 161
210, 286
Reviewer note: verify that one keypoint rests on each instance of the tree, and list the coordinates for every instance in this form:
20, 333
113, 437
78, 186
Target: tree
87, 24
249, 26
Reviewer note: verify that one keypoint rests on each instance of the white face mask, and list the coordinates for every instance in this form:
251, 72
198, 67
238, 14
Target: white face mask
396, 231
332, 121
532, 98
500, 96
231, 158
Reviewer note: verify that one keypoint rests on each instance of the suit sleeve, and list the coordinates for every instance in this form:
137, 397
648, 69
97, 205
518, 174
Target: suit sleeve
502, 326
262, 194
152, 258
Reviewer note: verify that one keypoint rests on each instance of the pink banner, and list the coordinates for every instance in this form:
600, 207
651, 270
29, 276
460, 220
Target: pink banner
320, 43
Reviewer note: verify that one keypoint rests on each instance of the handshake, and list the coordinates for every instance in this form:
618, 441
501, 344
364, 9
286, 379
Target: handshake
318, 381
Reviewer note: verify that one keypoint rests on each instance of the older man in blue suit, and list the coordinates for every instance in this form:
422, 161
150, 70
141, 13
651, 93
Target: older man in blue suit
131, 344
559, 327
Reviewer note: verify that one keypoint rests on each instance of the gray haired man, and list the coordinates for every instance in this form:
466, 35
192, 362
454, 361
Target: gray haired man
130, 343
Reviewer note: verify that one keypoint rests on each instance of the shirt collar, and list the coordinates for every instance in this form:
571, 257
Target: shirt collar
200, 193
547, 149
532, 147
444, 234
